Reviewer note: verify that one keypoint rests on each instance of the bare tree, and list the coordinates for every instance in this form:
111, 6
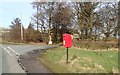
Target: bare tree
43, 16
61, 21
84, 17
108, 19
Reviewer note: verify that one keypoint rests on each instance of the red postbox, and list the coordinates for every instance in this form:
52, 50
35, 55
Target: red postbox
67, 40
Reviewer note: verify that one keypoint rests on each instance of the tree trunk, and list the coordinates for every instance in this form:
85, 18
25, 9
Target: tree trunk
91, 25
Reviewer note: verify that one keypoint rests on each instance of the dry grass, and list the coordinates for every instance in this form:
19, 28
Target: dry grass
91, 44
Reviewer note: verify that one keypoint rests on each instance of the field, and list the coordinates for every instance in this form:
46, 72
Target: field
80, 60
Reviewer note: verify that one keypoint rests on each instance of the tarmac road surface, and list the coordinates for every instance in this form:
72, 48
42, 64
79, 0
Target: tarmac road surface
8, 58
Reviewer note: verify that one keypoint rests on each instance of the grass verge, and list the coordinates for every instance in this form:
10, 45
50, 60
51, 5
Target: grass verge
80, 61
12, 43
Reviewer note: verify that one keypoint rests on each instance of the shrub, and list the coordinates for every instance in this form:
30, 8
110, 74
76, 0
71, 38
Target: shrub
99, 44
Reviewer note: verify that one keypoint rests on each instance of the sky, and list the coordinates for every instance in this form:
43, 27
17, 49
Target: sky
11, 10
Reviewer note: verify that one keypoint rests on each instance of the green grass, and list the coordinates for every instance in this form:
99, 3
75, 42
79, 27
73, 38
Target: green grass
80, 61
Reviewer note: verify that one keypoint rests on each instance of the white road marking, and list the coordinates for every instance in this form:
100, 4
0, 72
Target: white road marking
13, 51
6, 50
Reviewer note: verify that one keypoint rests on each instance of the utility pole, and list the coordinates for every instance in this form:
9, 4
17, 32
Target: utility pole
21, 29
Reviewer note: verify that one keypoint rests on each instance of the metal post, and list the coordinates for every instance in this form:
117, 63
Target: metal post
67, 55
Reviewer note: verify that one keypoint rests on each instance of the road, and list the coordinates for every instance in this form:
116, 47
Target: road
8, 59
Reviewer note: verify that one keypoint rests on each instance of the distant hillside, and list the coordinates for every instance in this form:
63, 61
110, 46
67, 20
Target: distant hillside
2, 28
